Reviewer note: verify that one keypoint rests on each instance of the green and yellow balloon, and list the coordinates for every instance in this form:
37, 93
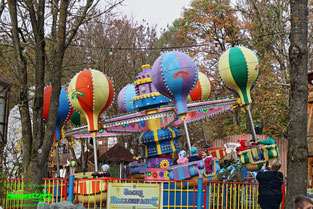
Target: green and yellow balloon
239, 68
73, 164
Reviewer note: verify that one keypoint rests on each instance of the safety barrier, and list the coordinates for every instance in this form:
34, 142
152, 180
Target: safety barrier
232, 195
10, 186
56, 188
15, 192
93, 193
174, 196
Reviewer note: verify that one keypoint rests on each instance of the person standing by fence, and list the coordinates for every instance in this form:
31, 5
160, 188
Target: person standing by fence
270, 185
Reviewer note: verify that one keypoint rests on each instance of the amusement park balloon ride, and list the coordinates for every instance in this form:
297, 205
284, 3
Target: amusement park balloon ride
156, 103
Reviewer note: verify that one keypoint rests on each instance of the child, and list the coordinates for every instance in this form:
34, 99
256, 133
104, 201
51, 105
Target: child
208, 164
105, 171
203, 155
243, 145
194, 155
246, 145
182, 157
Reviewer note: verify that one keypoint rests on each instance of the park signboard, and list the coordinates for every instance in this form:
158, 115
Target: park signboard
134, 196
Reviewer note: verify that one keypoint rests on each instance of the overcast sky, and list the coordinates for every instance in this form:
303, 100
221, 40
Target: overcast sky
155, 12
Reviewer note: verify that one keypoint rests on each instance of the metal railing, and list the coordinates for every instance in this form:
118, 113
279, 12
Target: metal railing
15, 192
11, 186
232, 195
56, 188
93, 193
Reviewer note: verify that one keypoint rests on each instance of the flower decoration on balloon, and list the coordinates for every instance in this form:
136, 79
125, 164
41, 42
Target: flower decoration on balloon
166, 175
165, 164
155, 174
161, 174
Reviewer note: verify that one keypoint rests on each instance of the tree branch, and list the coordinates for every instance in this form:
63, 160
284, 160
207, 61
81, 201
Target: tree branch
56, 81
2, 6
22, 68
83, 16
32, 14
80, 21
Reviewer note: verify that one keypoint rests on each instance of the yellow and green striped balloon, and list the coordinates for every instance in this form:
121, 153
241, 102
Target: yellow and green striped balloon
239, 68
73, 164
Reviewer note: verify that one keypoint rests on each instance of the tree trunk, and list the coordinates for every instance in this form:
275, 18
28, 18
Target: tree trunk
36, 142
297, 158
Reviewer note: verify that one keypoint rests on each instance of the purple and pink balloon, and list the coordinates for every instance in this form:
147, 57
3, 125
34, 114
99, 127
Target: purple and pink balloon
174, 74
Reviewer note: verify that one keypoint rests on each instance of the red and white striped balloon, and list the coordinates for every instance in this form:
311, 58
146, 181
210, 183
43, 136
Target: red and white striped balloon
91, 93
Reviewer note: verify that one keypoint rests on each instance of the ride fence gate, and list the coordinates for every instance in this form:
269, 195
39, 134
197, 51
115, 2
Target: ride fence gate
93, 193
228, 195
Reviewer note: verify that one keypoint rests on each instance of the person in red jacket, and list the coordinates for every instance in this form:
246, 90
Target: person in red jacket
243, 146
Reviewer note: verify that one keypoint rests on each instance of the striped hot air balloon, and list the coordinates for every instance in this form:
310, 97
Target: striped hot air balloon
203, 89
91, 93
174, 74
124, 98
65, 110
239, 68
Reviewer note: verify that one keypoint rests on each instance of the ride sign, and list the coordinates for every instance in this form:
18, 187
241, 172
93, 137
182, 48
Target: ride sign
132, 195
23, 195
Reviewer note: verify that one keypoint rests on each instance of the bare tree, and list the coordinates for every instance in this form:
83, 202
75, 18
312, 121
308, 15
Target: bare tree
39, 33
297, 157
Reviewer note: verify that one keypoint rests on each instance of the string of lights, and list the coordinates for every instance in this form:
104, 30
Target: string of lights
170, 47
162, 48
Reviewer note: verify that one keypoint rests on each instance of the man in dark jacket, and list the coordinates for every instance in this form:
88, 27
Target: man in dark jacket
270, 186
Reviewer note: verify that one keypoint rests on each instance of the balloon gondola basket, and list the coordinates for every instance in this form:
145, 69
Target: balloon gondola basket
91, 190
137, 170
210, 174
218, 152
254, 161
137, 176
189, 171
